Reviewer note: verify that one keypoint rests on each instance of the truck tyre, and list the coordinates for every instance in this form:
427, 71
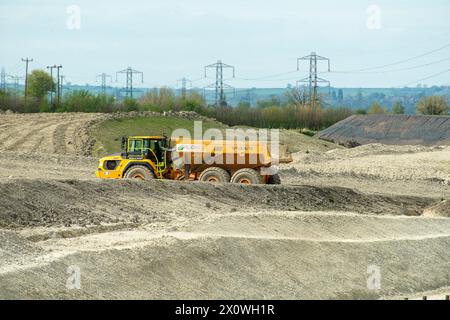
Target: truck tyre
139, 172
274, 179
247, 176
215, 174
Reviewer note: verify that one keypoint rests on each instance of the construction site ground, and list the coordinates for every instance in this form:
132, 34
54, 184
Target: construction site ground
338, 214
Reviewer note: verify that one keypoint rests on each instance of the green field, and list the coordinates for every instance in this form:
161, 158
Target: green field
108, 134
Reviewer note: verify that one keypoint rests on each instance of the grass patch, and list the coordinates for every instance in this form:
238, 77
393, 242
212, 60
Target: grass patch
108, 134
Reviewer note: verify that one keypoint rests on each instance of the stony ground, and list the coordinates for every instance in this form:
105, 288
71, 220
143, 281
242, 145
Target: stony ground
338, 215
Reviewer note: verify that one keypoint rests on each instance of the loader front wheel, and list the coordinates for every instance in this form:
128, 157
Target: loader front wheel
247, 176
139, 172
215, 174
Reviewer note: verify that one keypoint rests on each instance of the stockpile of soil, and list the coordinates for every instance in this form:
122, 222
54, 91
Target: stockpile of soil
33, 203
441, 209
389, 129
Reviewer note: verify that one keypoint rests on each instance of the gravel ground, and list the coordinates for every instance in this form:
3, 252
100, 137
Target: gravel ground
338, 214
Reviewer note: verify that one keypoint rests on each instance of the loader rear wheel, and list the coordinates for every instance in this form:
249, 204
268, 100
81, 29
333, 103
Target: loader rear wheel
247, 176
139, 172
274, 179
215, 174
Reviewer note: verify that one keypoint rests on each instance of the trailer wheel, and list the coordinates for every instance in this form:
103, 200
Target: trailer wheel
215, 174
274, 179
247, 176
139, 172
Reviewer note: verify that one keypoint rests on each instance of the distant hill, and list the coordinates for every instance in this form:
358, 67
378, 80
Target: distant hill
389, 129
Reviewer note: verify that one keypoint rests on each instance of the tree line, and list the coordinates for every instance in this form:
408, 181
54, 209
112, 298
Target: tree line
293, 112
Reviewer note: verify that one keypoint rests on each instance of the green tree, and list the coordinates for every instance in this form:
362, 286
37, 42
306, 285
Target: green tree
195, 102
433, 105
78, 101
39, 84
243, 104
130, 104
398, 108
361, 111
162, 99
5, 100
376, 108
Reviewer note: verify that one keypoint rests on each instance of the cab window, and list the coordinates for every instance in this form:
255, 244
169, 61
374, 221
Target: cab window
135, 146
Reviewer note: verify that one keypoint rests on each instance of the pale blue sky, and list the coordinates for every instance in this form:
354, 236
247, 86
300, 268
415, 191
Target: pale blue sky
174, 38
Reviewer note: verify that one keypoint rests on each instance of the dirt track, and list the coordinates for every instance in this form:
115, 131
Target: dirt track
46, 133
309, 238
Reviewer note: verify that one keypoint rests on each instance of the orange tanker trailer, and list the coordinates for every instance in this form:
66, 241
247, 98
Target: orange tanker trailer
158, 157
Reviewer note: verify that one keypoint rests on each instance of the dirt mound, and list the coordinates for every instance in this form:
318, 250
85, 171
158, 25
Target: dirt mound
376, 161
64, 133
13, 248
389, 129
361, 151
27, 203
441, 209
276, 261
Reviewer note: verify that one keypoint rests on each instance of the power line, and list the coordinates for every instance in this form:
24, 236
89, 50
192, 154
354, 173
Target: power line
269, 80
402, 61
396, 70
184, 82
269, 76
104, 77
51, 76
219, 85
426, 78
198, 79
27, 61
313, 80
129, 78
58, 95
16, 84
3, 79
61, 84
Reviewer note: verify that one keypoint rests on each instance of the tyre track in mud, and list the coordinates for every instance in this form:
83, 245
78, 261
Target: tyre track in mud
29, 140
48, 133
59, 138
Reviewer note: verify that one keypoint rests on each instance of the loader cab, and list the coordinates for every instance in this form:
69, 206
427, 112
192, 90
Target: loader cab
145, 147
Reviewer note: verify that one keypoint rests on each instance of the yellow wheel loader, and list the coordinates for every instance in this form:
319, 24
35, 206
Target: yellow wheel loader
159, 157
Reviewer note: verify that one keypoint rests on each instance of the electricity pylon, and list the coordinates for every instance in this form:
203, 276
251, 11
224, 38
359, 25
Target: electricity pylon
313, 80
129, 77
219, 85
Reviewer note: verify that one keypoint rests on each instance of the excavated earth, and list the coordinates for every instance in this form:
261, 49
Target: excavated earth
338, 216
390, 129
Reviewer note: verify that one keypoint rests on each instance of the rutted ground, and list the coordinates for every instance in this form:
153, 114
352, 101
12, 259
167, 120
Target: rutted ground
46, 133
308, 238
415, 170
285, 255
47, 203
